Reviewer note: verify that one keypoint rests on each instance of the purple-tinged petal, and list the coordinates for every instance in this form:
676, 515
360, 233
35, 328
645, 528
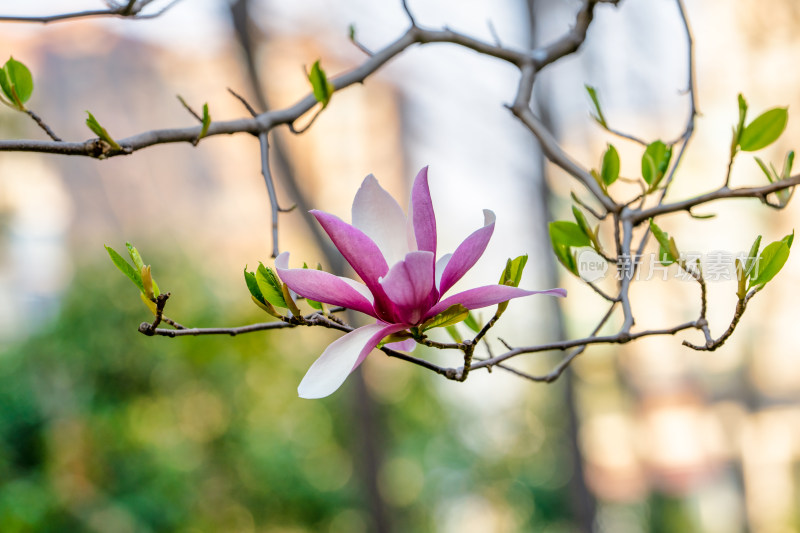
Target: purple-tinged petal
381, 218
422, 213
357, 248
340, 358
387, 330
407, 345
441, 263
360, 287
409, 286
486, 296
467, 253
322, 286
410, 238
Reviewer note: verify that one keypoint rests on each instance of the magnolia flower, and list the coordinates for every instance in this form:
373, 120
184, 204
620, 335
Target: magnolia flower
403, 283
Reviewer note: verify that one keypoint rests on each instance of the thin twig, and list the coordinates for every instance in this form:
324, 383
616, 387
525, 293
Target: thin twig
310, 122
627, 136
43, 125
493, 33
245, 103
409, 14
189, 108
741, 306
358, 44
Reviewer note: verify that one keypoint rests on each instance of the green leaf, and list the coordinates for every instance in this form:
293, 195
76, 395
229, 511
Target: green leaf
568, 234
742, 110
323, 89
101, 132
789, 239
583, 224
450, 316
351, 32
648, 168
473, 323
599, 116
655, 162
752, 255
764, 130
788, 163
270, 286
314, 304
565, 256
16, 83
513, 272
668, 250
765, 170
737, 132
664, 257
126, 268
511, 276
252, 286
206, 122
609, 171
135, 256
783, 195
769, 263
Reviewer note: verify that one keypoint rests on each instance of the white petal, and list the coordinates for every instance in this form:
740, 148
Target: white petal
336, 362
440, 264
410, 237
379, 215
360, 287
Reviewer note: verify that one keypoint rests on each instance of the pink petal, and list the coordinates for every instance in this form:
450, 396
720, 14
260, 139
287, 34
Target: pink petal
360, 287
486, 296
381, 218
441, 263
357, 248
322, 286
422, 213
467, 253
409, 286
407, 345
340, 358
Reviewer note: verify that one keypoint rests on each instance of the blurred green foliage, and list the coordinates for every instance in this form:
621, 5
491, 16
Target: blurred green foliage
104, 429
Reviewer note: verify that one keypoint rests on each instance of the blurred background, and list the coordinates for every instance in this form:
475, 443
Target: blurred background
105, 430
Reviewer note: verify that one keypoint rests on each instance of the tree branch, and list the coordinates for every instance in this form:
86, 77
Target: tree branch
637, 217
130, 10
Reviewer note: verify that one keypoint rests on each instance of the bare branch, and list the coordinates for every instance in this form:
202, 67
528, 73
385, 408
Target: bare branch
555, 154
618, 338
266, 121
130, 10
761, 193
